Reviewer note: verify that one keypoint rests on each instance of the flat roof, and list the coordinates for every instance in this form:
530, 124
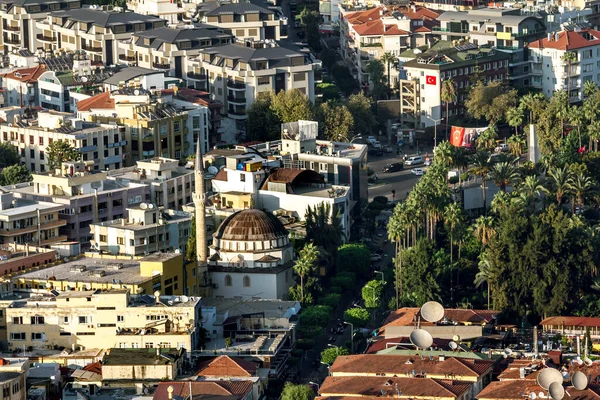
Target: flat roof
28, 206
118, 223
271, 308
117, 356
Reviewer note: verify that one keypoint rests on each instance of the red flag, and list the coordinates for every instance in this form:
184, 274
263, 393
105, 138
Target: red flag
581, 150
430, 80
457, 136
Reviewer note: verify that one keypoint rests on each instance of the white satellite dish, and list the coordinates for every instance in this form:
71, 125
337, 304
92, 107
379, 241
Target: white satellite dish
84, 79
587, 361
556, 391
453, 345
579, 380
143, 206
508, 351
136, 92
157, 294
185, 299
456, 338
421, 338
541, 395
547, 376
213, 170
532, 396
432, 311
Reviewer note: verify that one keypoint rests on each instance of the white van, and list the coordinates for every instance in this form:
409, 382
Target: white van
414, 160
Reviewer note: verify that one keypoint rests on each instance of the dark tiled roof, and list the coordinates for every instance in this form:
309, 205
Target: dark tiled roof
247, 54
239, 8
172, 35
572, 321
104, 18
118, 356
508, 390
251, 225
129, 73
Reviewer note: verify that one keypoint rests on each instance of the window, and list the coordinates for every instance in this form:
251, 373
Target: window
17, 321
120, 318
37, 320
103, 238
586, 54
242, 178
299, 76
41, 155
17, 336
37, 336
85, 319
121, 240
246, 281
587, 67
64, 320
228, 280
263, 80
41, 141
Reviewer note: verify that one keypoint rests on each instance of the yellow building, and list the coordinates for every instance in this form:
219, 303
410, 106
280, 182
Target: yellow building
103, 319
162, 272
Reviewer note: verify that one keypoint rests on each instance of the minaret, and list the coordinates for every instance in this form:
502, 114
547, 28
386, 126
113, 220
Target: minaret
199, 204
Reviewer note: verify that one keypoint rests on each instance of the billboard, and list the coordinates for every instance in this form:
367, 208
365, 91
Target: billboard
465, 137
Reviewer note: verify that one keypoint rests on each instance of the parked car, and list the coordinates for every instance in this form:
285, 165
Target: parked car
414, 160
375, 257
388, 149
503, 148
377, 145
418, 171
371, 139
375, 152
395, 167
428, 161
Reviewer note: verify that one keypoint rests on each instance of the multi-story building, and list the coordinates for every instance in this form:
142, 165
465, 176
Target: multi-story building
19, 19
130, 236
171, 11
21, 257
13, 378
94, 30
153, 126
550, 73
171, 186
87, 197
455, 5
461, 63
120, 365
244, 20
28, 221
235, 74
104, 319
505, 29
150, 79
162, 47
104, 145
367, 35
21, 86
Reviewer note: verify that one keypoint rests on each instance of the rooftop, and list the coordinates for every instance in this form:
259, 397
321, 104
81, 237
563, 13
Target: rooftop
26, 75
129, 73
170, 216
448, 56
276, 55
504, 16
231, 390
269, 308
159, 36
508, 390
104, 18
118, 356
238, 8
222, 366
24, 206
100, 101
568, 40
407, 316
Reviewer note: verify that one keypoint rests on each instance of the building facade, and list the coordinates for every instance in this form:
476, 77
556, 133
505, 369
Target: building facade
244, 20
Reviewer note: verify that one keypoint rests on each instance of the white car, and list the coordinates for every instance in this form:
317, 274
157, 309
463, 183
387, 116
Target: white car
375, 257
371, 139
418, 171
414, 160
428, 162
377, 145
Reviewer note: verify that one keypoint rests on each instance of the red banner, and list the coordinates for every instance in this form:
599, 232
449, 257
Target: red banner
457, 136
430, 79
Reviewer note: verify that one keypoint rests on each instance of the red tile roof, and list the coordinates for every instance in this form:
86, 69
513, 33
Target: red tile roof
227, 366
26, 75
508, 390
102, 100
569, 40
231, 389
399, 365
572, 321
377, 386
407, 316
418, 12
378, 28
362, 17
513, 370
94, 367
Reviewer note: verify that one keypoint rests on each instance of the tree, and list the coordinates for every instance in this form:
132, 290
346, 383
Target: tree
577, 118
329, 91
452, 218
315, 316
516, 145
503, 174
14, 174
388, 59
359, 317
490, 101
569, 57
310, 20
329, 355
190, 252
487, 139
262, 123
336, 121
560, 179
582, 187
421, 273
481, 168
297, 392
353, 257
323, 227
371, 293
532, 188
485, 274
589, 88
328, 57
448, 95
375, 69
360, 107
305, 264
533, 103
484, 230
60, 151
8, 155
514, 117
291, 106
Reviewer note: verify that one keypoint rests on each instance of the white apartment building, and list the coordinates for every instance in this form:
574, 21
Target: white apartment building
169, 46
244, 20
21, 86
167, 9
19, 19
550, 73
148, 78
102, 144
235, 74
94, 30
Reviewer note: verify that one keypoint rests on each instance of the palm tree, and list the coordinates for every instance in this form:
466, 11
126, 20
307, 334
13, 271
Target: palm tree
397, 228
486, 274
581, 187
388, 59
484, 230
452, 217
443, 153
589, 88
560, 178
481, 168
594, 134
503, 174
532, 188
305, 264
516, 145
569, 57
448, 96
514, 117
487, 138
533, 103
577, 118
323, 227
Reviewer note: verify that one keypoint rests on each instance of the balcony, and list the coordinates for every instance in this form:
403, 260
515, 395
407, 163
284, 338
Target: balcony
33, 228
11, 28
236, 85
370, 45
125, 57
448, 30
528, 33
89, 47
196, 76
158, 65
43, 38
12, 41
237, 114
236, 100
507, 47
55, 239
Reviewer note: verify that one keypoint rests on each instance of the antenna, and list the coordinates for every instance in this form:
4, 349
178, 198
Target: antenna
547, 376
421, 338
579, 380
432, 311
556, 391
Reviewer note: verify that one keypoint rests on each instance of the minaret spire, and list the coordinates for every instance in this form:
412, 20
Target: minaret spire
200, 213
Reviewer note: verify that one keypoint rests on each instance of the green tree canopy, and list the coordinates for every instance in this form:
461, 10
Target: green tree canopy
329, 355
297, 392
336, 121
490, 101
372, 293
291, 106
359, 317
14, 174
8, 155
262, 123
360, 107
353, 257
60, 151
376, 71
315, 316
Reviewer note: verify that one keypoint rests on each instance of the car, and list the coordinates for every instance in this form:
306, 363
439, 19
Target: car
395, 167
414, 160
375, 152
418, 171
503, 148
377, 145
375, 257
371, 139
428, 162
388, 149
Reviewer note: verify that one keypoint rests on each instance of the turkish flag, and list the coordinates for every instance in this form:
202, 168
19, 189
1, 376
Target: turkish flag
456, 138
430, 79
581, 150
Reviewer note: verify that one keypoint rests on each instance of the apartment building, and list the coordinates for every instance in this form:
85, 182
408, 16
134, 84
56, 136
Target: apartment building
13, 378
29, 222
171, 186
171, 11
153, 126
244, 20
20, 257
235, 74
508, 30
19, 19
104, 319
455, 5
130, 236
421, 95
21, 86
133, 365
87, 197
104, 145
94, 30
550, 73
367, 35
166, 49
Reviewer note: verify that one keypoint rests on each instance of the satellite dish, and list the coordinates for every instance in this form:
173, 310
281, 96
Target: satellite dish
150, 206
185, 299
557, 391
508, 351
547, 376
532, 396
136, 92
456, 338
84, 79
453, 345
157, 294
579, 380
432, 311
213, 170
421, 338
587, 361
143, 206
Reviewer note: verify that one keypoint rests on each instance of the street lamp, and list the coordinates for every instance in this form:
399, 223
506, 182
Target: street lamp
351, 334
435, 121
382, 276
316, 384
